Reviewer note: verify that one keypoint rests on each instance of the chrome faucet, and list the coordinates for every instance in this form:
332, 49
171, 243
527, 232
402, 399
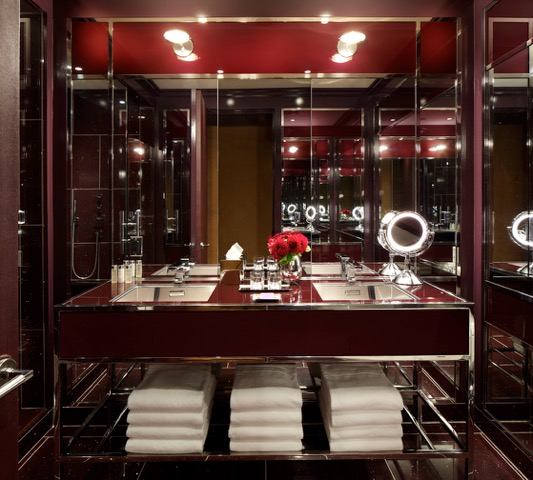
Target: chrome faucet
344, 259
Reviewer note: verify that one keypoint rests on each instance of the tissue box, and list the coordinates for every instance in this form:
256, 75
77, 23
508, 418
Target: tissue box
230, 264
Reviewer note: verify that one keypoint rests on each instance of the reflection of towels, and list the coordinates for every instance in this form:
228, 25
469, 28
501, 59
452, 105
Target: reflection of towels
168, 418
267, 432
359, 388
166, 446
367, 445
272, 446
342, 419
166, 432
180, 389
270, 387
263, 417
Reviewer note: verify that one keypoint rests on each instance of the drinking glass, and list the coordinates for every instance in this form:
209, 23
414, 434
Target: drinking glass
256, 280
259, 263
351, 272
274, 279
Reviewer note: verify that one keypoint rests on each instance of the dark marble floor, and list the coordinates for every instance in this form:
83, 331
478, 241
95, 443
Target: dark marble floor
488, 465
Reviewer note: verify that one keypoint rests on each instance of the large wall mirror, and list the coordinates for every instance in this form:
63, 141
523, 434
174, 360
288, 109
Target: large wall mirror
183, 150
507, 396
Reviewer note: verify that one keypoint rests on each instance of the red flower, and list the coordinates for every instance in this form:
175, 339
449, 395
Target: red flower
285, 243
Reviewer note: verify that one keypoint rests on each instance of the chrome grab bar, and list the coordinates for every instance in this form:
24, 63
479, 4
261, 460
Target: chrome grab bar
8, 367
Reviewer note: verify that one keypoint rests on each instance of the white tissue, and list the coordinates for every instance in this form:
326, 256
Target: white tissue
235, 252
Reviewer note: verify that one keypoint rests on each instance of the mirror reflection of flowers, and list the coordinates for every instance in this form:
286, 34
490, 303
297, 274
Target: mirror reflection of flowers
346, 214
285, 246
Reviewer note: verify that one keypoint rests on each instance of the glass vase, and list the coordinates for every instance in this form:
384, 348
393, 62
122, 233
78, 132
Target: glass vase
291, 272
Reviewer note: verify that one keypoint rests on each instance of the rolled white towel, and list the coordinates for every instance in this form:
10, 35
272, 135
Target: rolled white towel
262, 417
357, 418
263, 446
167, 432
164, 446
392, 444
265, 387
168, 418
267, 432
177, 390
360, 389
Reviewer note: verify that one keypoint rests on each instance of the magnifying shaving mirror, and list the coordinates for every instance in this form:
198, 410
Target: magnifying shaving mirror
310, 215
407, 234
389, 269
521, 233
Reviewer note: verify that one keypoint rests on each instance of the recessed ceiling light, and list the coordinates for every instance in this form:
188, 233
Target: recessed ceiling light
230, 102
292, 120
449, 118
176, 36
78, 69
202, 19
324, 19
293, 149
139, 150
122, 102
392, 119
299, 101
383, 148
338, 58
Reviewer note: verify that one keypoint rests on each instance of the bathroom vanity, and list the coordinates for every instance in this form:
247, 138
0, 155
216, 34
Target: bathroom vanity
207, 319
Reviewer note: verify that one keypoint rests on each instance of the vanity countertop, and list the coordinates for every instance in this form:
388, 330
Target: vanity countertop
226, 295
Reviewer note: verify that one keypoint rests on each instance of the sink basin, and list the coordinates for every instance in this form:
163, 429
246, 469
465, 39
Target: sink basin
360, 292
166, 293
201, 270
330, 268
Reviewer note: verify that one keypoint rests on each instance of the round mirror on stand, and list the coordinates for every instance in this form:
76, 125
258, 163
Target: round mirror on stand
521, 233
389, 269
407, 234
310, 215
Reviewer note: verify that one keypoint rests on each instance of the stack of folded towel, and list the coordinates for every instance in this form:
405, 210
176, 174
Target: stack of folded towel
266, 409
169, 411
361, 409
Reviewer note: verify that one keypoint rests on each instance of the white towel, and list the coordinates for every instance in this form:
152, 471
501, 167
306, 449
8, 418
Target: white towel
166, 446
180, 390
168, 418
367, 445
356, 418
165, 432
273, 446
363, 388
267, 432
271, 417
265, 386
359, 433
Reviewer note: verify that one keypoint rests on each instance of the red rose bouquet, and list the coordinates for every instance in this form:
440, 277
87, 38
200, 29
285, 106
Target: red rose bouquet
285, 246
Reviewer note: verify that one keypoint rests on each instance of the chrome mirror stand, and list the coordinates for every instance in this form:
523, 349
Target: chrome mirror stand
390, 269
407, 277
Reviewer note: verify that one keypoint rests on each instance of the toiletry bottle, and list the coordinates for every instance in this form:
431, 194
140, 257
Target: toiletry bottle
139, 269
127, 273
114, 274
120, 274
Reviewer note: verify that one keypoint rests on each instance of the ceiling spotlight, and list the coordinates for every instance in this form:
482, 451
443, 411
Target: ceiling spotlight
230, 102
176, 36
324, 19
78, 69
299, 101
392, 119
122, 102
293, 149
347, 44
383, 148
292, 120
189, 58
202, 19
449, 118
139, 150
181, 42
438, 148
338, 58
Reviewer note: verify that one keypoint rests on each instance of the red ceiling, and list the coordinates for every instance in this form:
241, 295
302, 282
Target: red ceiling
264, 47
